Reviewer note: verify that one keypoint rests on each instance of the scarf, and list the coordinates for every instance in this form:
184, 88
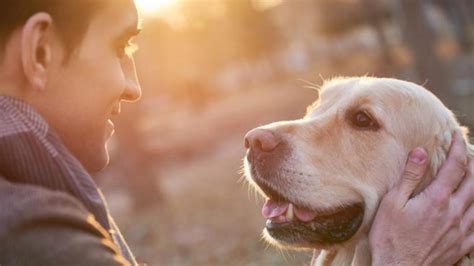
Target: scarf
32, 153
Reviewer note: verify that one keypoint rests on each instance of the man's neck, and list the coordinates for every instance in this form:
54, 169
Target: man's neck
10, 85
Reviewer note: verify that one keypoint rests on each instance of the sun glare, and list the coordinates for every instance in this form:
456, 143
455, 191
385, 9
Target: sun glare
152, 7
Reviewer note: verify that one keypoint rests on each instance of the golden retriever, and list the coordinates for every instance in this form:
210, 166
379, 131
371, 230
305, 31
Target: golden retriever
323, 176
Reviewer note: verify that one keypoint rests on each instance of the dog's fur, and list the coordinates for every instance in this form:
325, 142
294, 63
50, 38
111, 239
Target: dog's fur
332, 163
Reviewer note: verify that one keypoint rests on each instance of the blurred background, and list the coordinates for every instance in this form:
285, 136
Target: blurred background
213, 69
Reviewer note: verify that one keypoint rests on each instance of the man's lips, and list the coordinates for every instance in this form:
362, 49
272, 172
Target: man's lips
110, 127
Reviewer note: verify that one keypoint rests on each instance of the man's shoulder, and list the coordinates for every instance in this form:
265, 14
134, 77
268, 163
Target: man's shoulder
44, 227
21, 203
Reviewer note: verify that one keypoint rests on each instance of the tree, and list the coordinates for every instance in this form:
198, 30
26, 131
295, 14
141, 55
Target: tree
420, 38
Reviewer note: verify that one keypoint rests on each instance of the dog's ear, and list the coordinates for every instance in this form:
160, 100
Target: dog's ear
440, 148
439, 151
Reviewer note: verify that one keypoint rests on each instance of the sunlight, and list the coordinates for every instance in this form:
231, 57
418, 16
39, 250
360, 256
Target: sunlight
153, 7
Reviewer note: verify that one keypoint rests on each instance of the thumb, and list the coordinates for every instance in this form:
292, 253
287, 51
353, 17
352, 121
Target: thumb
415, 169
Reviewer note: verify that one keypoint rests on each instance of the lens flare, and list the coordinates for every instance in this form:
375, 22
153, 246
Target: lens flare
152, 7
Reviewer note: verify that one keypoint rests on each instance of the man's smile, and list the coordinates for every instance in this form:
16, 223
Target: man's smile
110, 128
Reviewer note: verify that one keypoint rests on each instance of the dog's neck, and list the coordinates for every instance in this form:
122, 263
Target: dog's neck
355, 254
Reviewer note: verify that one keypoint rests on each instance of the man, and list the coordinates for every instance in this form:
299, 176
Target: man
64, 70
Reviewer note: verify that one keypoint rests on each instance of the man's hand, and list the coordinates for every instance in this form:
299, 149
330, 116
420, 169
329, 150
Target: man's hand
433, 227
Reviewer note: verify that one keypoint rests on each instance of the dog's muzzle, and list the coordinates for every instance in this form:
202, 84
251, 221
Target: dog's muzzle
290, 222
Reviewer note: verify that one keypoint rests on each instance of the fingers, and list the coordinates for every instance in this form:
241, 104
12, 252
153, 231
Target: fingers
459, 239
467, 245
467, 221
464, 195
414, 171
452, 172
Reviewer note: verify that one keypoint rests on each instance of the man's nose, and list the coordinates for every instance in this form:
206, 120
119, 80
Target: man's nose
133, 90
262, 140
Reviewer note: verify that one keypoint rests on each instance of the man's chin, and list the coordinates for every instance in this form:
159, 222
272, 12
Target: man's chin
96, 162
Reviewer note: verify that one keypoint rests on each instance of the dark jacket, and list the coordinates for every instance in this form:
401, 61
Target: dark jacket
42, 227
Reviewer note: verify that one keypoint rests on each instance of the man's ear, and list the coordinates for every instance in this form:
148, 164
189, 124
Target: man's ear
36, 49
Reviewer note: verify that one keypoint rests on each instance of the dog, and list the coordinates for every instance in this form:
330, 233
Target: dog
323, 176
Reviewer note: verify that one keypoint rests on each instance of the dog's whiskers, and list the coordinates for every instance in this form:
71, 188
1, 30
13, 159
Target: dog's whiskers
311, 85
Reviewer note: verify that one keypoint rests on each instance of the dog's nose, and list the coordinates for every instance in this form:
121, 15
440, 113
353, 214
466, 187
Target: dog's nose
261, 140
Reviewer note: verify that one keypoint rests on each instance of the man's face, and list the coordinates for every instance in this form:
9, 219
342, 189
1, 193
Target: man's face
83, 94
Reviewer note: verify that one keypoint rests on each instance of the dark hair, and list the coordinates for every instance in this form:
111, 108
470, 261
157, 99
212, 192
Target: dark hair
71, 18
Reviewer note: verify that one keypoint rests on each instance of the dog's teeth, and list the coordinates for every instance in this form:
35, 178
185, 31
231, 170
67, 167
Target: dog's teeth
289, 213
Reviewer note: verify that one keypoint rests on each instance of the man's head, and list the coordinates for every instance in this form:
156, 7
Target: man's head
70, 60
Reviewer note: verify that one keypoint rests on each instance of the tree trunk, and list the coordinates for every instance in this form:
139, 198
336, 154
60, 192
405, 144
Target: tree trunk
421, 40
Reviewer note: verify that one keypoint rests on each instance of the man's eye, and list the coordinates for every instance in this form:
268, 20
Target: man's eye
363, 120
127, 49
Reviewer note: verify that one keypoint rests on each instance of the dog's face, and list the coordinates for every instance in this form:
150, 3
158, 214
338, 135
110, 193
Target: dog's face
323, 175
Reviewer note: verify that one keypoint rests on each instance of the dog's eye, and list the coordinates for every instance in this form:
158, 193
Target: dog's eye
364, 121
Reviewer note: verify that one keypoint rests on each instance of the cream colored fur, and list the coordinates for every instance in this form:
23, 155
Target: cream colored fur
340, 165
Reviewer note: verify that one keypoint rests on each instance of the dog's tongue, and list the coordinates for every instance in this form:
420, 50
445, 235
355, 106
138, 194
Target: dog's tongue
273, 209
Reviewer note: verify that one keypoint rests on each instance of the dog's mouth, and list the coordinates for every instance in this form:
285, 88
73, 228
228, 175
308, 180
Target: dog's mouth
295, 225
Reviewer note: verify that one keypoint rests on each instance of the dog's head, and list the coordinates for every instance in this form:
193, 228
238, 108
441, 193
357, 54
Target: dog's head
323, 175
